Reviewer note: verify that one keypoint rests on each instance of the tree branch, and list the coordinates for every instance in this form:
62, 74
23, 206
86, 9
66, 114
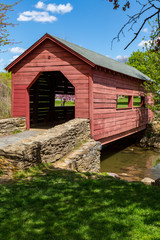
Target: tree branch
145, 8
136, 34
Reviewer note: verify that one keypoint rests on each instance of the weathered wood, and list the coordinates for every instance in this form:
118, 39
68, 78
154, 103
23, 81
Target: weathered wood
109, 121
96, 91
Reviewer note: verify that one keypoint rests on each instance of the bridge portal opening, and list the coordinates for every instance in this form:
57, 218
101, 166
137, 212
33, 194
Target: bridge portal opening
52, 100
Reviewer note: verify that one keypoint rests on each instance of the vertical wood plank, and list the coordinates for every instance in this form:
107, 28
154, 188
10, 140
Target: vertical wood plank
130, 101
12, 94
27, 110
91, 101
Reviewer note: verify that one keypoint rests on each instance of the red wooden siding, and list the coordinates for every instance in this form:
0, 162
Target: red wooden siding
96, 91
48, 56
109, 122
19, 101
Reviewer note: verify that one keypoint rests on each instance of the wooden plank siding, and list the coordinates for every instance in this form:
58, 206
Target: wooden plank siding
48, 56
96, 89
110, 123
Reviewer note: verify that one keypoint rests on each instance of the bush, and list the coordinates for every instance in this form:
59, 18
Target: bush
5, 95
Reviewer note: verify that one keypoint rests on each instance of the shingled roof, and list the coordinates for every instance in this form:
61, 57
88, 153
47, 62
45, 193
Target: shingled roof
103, 61
93, 57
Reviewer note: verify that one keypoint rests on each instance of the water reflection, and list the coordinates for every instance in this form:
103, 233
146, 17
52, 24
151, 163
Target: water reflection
130, 161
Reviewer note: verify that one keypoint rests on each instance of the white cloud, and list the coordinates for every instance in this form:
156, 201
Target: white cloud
122, 58
17, 50
143, 43
52, 7
145, 30
44, 16
36, 16
40, 5
61, 8
13, 58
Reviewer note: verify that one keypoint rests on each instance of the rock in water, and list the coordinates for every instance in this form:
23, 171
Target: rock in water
143, 142
148, 181
114, 175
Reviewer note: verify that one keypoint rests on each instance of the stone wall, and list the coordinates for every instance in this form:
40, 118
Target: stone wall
12, 125
50, 146
84, 159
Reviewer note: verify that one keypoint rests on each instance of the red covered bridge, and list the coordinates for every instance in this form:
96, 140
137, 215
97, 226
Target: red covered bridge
54, 66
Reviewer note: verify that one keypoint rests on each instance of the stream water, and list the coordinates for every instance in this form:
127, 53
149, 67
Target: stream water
131, 162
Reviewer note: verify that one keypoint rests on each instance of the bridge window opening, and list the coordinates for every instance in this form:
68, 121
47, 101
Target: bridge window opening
124, 101
64, 100
52, 100
138, 101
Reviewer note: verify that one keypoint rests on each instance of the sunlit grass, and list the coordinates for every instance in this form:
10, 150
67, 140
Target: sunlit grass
136, 101
69, 103
65, 205
123, 102
32, 171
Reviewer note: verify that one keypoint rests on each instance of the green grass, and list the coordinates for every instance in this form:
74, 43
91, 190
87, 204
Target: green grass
16, 131
123, 102
69, 103
136, 101
64, 205
32, 171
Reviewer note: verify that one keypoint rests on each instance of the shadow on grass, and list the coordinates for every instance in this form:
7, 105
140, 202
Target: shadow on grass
64, 205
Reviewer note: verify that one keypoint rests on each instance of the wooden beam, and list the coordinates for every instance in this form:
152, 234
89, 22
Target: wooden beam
91, 101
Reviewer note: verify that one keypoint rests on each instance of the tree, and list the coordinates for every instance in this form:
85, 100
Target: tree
5, 95
65, 98
4, 23
148, 62
147, 10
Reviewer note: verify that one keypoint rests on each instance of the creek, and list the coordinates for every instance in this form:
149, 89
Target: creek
131, 162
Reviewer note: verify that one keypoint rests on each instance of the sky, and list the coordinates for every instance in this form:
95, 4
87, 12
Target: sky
91, 24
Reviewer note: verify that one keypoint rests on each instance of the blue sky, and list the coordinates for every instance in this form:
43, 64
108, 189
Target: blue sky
89, 23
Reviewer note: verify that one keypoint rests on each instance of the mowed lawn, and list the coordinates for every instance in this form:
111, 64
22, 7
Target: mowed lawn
65, 205
68, 103
123, 102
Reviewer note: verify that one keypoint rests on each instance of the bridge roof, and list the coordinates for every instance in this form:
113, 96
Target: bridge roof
103, 61
91, 57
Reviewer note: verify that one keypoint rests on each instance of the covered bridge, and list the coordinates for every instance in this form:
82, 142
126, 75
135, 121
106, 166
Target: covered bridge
53, 66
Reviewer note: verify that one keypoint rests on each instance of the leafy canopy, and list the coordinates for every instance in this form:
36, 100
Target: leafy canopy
148, 62
4, 23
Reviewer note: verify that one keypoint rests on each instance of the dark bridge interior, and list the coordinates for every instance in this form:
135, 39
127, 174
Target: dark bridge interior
44, 108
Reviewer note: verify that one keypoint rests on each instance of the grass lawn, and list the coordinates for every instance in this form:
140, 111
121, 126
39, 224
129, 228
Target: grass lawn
123, 102
69, 103
136, 102
64, 205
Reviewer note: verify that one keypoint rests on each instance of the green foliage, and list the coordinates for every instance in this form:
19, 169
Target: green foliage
4, 23
16, 131
149, 134
5, 95
1, 172
148, 62
5, 78
64, 205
